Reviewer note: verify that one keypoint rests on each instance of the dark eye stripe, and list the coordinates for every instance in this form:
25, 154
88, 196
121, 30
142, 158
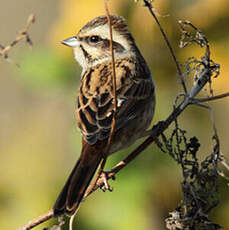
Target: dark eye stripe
116, 46
104, 43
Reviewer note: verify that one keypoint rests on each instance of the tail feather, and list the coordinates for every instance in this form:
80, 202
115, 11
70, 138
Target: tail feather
77, 183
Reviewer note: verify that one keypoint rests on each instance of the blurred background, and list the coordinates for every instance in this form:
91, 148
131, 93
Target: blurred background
39, 141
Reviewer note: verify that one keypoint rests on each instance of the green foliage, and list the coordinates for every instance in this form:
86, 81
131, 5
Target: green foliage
42, 69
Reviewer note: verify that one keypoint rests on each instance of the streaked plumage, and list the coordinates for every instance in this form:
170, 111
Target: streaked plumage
95, 102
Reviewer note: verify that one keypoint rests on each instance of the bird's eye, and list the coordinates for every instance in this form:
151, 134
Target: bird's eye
94, 39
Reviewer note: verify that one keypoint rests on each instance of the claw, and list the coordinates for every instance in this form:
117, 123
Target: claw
105, 186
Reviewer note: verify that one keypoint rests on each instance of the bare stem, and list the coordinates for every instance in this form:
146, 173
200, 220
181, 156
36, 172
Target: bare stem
39, 220
113, 77
24, 34
148, 4
102, 165
220, 96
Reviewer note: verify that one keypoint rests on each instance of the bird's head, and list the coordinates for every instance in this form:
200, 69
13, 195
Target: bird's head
91, 46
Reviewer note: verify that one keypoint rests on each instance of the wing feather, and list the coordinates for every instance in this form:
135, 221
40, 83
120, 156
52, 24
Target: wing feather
95, 107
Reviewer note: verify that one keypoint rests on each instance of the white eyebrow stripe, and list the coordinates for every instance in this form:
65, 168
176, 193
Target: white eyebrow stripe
104, 33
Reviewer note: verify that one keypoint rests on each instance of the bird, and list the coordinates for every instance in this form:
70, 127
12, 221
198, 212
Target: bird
135, 95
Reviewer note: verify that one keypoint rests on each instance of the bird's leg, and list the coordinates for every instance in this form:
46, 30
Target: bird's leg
104, 176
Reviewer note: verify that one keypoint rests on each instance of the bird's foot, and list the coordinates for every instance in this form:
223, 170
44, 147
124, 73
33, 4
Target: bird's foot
105, 176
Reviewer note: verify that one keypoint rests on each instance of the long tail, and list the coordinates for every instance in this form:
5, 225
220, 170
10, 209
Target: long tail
73, 192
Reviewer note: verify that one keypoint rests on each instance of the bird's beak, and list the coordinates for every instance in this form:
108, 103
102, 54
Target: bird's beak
72, 42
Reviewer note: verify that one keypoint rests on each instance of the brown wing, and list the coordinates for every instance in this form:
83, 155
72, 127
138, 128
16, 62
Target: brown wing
95, 107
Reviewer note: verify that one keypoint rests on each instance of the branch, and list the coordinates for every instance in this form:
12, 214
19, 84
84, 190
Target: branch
206, 70
37, 221
158, 130
220, 96
22, 35
148, 4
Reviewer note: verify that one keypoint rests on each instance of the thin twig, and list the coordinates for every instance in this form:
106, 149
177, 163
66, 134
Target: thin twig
24, 34
220, 96
39, 220
113, 78
148, 4
200, 38
94, 183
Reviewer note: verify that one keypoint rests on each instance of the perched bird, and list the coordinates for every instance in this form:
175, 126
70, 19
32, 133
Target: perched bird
95, 102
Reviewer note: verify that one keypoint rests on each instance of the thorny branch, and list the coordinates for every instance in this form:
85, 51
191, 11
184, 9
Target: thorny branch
193, 212
4, 50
